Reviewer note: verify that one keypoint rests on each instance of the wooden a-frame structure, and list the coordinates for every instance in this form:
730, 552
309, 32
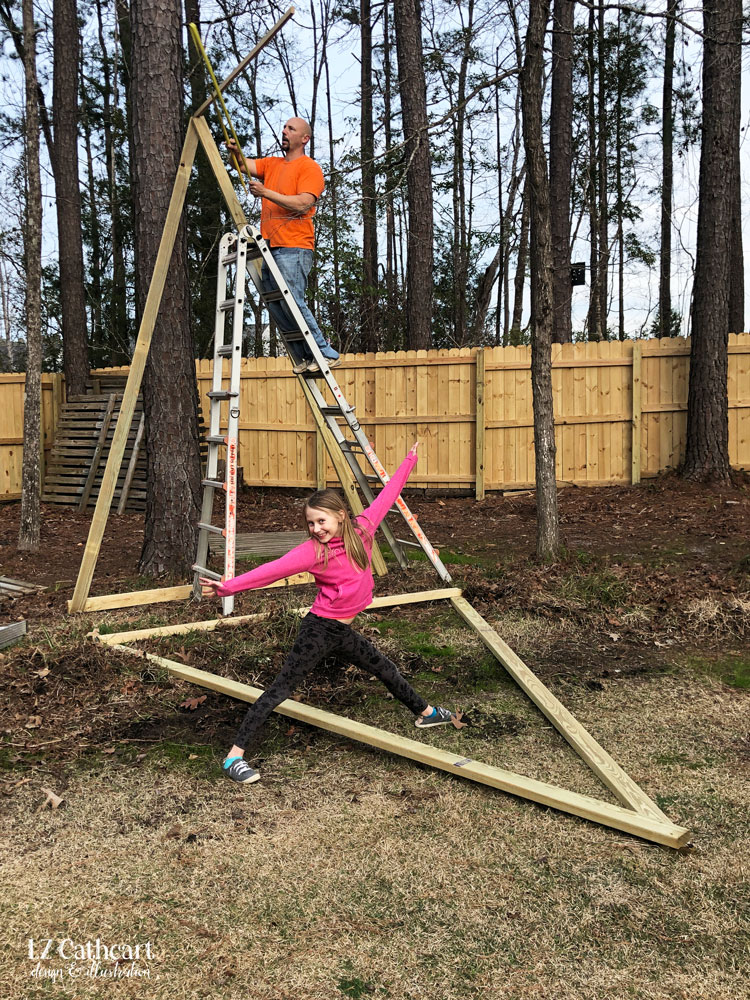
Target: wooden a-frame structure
638, 814
197, 132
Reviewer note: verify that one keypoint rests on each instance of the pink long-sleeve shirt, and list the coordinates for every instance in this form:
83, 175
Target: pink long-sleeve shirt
343, 588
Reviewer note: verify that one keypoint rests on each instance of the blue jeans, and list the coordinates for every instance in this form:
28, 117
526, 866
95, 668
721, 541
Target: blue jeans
294, 264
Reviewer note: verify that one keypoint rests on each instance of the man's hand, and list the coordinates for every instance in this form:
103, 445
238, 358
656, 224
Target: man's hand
237, 158
257, 189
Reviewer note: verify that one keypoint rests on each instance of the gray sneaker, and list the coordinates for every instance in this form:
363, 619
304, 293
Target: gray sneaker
438, 717
241, 772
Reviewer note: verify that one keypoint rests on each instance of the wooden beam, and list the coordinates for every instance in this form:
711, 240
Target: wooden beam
387, 601
135, 375
94, 467
136, 598
248, 58
597, 758
584, 806
131, 466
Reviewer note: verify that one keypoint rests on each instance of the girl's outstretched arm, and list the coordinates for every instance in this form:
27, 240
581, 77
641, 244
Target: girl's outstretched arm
300, 559
387, 496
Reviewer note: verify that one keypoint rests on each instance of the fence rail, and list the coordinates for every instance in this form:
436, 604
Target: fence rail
620, 413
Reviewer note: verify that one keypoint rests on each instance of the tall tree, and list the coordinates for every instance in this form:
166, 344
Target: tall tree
542, 302
67, 195
413, 91
170, 398
667, 172
560, 166
592, 183
369, 297
707, 445
29, 529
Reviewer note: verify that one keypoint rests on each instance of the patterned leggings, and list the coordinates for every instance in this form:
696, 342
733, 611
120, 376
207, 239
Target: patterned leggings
318, 638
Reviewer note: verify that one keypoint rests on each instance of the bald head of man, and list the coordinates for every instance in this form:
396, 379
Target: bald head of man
294, 137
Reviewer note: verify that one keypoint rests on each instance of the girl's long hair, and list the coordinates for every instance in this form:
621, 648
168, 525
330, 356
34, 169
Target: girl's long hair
352, 533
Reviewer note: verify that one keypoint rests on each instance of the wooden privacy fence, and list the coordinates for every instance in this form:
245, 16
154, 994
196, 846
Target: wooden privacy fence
11, 426
620, 413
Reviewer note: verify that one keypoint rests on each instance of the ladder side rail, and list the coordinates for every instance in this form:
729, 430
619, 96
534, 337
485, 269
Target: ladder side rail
233, 418
214, 408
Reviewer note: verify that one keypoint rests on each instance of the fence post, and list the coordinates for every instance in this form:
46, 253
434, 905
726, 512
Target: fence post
635, 468
479, 433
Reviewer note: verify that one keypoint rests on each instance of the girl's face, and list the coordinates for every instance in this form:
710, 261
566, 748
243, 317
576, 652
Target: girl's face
324, 524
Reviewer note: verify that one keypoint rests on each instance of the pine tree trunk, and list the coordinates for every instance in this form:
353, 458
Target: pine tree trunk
542, 306
667, 129
368, 309
603, 267
707, 446
412, 87
594, 332
560, 160
170, 398
29, 529
68, 196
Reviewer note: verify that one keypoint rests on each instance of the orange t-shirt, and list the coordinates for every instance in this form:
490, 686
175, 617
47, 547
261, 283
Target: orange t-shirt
278, 226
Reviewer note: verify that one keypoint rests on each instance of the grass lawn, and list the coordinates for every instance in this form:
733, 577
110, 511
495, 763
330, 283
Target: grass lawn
349, 873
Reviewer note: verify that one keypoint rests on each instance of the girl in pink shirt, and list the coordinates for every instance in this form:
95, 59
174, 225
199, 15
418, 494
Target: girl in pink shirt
338, 554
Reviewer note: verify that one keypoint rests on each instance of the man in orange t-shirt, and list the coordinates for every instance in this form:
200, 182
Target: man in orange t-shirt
289, 188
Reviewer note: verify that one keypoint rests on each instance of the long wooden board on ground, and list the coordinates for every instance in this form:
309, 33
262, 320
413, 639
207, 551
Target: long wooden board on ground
161, 595
584, 806
386, 601
600, 762
641, 817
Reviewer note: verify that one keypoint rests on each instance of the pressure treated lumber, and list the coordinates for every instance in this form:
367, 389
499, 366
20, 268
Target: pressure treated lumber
584, 806
248, 58
94, 467
597, 758
135, 598
386, 601
135, 376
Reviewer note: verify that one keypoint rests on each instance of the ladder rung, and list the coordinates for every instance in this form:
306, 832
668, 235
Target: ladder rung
349, 445
294, 337
336, 411
212, 528
214, 484
216, 439
229, 304
202, 571
230, 258
407, 541
272, 296
253, 253
226, 349
221, 394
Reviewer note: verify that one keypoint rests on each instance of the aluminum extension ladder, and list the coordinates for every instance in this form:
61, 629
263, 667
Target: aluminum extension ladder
229, 323
351, 439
